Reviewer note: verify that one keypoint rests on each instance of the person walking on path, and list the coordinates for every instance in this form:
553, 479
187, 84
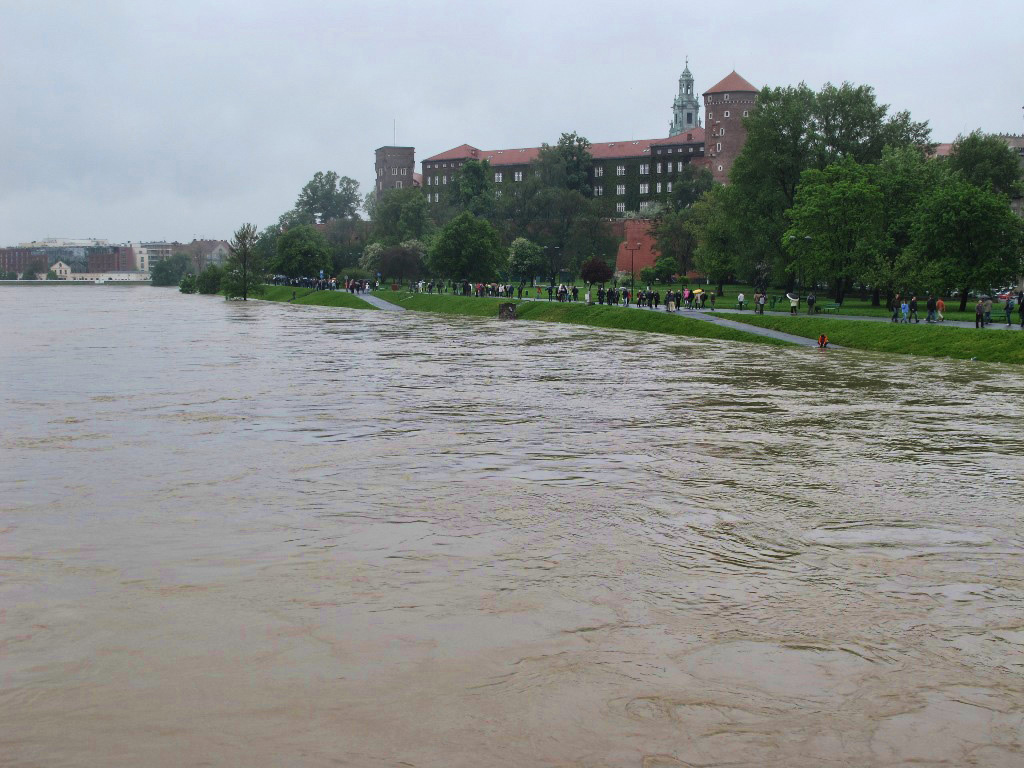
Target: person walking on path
979, 314
794, 303
761, 301
931, 309
739, 301
712, 301
895, 307
940, 309
913, 310
811, 299
988, 310
1008, 308
905, 311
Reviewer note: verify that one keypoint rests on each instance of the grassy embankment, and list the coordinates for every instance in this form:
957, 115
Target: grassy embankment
576, 314
316, 298
995, 346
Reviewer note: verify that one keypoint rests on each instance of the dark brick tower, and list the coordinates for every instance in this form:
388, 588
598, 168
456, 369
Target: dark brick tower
725, 106
395, 168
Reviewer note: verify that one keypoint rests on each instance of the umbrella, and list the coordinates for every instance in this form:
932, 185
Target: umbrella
791, 297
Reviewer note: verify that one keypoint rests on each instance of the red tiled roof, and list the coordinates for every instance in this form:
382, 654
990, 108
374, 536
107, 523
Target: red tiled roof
694, 135
461, 152
943, 150
732, 83
510, 156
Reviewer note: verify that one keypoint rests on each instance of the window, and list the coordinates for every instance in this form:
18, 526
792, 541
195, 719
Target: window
437, 180
497, 178
620, 207
398, 185
645, 189
746, 113
726, 97
727, 113
497, 193
446, 164
691, 149
710, 116
428, 181
518, 176
718, 147
620, 170
620, 189
645, 169
659, 165
598, 171
669, 185
444, 179
403, 172
679, 166
721, 131
437, 197
719, 168
657, 187
645, 204
394, 171
598, 191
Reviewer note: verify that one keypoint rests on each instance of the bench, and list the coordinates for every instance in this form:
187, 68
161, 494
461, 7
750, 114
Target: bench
831, 307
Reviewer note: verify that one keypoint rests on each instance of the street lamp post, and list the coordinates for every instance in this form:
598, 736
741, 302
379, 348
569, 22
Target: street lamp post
632, 271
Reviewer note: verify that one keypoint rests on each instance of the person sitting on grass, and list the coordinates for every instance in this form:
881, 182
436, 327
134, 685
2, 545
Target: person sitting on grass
822, 341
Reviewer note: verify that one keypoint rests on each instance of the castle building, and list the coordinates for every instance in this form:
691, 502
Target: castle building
633, 174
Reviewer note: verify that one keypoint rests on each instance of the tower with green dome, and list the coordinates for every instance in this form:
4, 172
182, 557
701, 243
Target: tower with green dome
685, 106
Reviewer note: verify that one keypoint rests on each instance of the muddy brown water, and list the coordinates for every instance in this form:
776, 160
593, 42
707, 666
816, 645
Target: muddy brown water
265, 535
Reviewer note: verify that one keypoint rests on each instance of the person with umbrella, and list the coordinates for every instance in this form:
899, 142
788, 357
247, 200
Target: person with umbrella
794, 302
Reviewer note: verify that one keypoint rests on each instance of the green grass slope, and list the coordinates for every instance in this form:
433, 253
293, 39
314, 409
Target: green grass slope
316, 298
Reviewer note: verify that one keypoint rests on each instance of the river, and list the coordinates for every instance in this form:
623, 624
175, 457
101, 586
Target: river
257, 534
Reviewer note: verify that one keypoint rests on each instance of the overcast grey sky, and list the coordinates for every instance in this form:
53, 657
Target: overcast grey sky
172, 120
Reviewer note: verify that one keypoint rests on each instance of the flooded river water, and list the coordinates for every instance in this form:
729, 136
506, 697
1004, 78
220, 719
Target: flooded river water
265, 535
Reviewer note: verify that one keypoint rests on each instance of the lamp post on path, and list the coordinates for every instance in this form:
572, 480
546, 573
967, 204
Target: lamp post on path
632, 271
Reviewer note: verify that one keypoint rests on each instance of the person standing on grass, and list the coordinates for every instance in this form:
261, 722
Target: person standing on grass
794, 303
988, 311
811, 299
979, 314
763, 297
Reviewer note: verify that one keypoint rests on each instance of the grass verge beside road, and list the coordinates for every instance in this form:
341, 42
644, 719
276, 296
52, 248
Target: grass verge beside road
597, 316
316, 298
911, 339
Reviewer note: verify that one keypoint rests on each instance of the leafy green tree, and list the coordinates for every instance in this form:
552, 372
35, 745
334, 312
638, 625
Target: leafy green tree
665, 269
9, 276
370, 260
466, 248
399, 215
567, 164
51, 275
690, 186
245, 271
187, 283
836, 225
973, 235
596, 270
327, 197
525, 259
674, 239
987, 161
718, 241
472, 189
302, 252
169, 271
403, 261
208, 281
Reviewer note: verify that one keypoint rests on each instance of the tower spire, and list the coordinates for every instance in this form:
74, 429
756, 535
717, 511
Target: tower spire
685, 107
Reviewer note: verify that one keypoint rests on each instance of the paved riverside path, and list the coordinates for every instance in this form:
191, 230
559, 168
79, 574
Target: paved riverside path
387, 306
996, 324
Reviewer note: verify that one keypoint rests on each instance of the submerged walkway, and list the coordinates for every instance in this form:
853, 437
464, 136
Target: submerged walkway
387, 306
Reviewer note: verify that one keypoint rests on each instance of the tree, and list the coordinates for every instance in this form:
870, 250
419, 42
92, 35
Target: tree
208, 281
988, 162
370, 260
972, 234
8, 275
596, 270
245, 271
690, 186
836, 224
403, 261
169, 271
399, 215
467, 248
472, 189
525, 259
674, 239
718, 244
302, 252
187, 284
51, 275
327, 197
567, 164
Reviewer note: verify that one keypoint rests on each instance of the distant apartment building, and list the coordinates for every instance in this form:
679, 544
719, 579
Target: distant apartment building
112, 258
147, 254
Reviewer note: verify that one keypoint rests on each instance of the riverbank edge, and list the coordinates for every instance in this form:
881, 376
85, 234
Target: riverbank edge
917, 340
309, 297
575, 313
